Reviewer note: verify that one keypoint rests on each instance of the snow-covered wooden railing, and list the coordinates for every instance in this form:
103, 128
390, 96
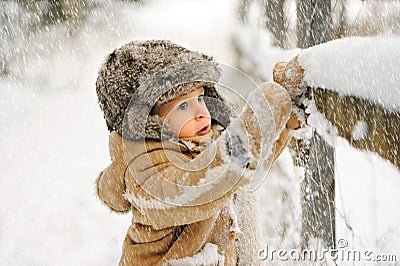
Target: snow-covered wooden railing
348, 88
356, 86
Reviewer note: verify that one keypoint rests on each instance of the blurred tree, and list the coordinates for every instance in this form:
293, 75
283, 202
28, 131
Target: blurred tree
275, 21
242, 10
314, 22
339, 19
21, 21
56, 11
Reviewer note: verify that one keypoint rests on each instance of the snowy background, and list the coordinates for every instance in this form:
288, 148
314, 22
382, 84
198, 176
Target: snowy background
54, 140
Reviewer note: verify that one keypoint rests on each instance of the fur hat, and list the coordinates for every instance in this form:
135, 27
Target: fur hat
141, 74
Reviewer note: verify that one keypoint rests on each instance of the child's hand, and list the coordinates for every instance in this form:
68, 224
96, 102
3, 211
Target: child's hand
290, 75
293, 123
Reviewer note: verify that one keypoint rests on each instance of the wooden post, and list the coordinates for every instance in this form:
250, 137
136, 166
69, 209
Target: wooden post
318, 186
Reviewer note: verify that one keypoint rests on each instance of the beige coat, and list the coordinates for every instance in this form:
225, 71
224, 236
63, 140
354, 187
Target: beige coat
175, 216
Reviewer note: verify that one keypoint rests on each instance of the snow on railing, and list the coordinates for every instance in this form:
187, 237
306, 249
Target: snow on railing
356, 87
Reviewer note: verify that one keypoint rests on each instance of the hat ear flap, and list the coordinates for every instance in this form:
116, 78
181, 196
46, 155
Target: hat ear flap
220, 110
156, 129
134, 127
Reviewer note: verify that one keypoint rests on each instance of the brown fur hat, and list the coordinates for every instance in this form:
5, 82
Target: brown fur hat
141, 74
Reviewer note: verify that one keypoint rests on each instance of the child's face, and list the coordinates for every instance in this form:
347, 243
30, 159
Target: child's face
187, 115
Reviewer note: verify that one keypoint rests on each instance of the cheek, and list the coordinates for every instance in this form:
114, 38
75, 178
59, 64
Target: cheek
179, 123
187, 130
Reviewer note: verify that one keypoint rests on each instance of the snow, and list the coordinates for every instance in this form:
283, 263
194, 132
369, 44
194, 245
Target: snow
280, 209
360, 130
208, 256
232, 213
54, 143
365, 67
318, 122
368, 196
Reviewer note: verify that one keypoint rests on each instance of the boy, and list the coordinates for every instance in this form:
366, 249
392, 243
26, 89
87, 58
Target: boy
177, 158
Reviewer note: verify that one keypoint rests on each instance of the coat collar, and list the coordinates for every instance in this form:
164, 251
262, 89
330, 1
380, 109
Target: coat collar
198, 143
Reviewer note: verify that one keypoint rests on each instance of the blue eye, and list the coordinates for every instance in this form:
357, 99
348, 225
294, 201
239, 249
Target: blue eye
200, 98
183, 106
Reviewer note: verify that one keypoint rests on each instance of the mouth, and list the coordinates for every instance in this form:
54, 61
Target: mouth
204, 130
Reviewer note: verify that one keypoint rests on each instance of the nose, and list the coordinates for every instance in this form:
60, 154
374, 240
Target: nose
201, 111
199, 117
